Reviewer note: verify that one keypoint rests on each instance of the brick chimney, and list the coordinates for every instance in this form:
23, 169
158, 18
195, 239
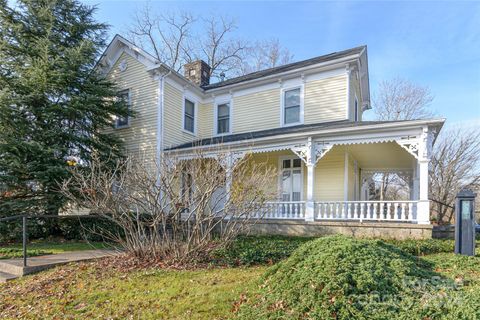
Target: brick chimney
198, 72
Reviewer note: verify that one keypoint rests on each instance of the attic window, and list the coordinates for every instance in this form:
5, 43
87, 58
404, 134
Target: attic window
191, 72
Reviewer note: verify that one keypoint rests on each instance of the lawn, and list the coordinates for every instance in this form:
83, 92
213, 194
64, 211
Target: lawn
37, 248
88, 290
101, 290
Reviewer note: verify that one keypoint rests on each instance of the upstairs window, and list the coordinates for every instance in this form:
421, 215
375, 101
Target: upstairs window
292, 106
123, 121
355, 106
189, 116
223, 118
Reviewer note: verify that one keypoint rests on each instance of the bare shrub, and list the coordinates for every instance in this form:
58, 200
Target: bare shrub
175, 209
455, 165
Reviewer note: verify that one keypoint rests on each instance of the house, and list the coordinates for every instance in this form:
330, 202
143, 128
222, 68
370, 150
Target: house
305, 118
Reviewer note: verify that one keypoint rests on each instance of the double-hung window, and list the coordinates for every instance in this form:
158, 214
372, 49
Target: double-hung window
189, 116
123, 121
223, 118
355, 106
292, 106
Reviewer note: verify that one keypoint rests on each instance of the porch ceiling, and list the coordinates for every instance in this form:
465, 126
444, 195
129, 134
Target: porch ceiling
382, 156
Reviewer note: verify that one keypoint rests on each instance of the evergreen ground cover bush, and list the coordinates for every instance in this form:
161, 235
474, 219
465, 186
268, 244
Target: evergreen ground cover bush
254, 250
343, 278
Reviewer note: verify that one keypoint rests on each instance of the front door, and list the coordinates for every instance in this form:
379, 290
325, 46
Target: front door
291, 179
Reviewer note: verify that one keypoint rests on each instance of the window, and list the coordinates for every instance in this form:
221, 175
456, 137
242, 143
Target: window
189, 116
291, 106
291, 180
223, 118
355, 106
123, 121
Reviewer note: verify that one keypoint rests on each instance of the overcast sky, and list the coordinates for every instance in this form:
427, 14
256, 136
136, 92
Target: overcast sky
436, 44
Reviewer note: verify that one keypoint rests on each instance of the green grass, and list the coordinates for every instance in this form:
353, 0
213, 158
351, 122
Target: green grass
89, 291
37, 248
95, 290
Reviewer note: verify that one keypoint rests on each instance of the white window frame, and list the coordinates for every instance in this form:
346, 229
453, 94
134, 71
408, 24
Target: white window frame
195, 114
215, 117
282, 105
356, 114
280, 173
129, 103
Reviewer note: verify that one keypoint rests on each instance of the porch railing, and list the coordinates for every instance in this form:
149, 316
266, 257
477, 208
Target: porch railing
395, 211
366, 210
282, 210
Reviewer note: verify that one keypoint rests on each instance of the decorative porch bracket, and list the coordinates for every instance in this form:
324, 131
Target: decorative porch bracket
228, 161
421, 148
310, 153
412, 145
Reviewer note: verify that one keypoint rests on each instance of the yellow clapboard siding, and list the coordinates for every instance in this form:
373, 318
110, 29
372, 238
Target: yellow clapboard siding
329, 173
173, 117
205, 120
140, 137
326, 99
329, 176
257, 111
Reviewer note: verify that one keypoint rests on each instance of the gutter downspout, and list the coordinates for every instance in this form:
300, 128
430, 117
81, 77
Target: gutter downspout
160, 109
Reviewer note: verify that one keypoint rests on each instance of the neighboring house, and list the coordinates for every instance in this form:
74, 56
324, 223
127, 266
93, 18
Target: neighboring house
304, 118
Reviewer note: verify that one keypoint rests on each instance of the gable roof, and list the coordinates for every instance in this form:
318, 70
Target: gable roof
287, 67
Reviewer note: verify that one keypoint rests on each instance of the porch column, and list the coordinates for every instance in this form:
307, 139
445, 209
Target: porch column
310, 163
310, 153
228, 162
425, 146
310, 205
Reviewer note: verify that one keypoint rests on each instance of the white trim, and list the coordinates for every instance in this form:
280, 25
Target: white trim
347, 111
191, 98
218, 102
352, 59
356, 113
129, 106
348, 135
275, 84
280, 173
345, 178
282, 105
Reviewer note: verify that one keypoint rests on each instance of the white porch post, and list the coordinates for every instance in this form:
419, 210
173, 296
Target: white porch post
424, 151
310, 153
310, 205
228, 162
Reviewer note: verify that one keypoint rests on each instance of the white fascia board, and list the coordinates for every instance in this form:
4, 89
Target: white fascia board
308, 69
390, 130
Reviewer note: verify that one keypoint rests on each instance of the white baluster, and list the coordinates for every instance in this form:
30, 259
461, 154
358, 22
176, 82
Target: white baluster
404, 212
410, 211
387, 215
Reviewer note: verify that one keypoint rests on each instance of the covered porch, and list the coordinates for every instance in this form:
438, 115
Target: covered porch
326, 175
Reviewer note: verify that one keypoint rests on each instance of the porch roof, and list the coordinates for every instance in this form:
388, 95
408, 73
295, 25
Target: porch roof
292, 130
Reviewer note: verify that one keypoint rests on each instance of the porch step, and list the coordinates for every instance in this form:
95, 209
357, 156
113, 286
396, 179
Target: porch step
8, 267
4, 277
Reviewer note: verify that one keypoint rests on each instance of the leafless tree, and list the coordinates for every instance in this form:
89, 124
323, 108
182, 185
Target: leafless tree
264, 55
223, 53
400, 99
167, 36
172, 39
455, 165
172, 210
